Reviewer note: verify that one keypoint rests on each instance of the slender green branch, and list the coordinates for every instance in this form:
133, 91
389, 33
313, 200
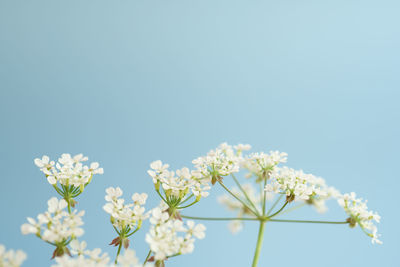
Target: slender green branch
264, 197
276, 213
194, 202
147, 257
69, 207
158, 192
244, 193
293, 208
274, 205
189, 197
259, 244
302, 221
137, 229
119, 251
219, 219
241, 201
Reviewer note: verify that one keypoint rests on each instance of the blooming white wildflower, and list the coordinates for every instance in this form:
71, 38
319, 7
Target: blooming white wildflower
55, 225
68, 170
176, 185
217, 163
168, 236
125, 215
11, 258
295, 184
95, 255
262, 164
241, 147
359, 214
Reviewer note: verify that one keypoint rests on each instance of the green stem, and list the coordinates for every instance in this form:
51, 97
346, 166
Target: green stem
188, 205
241, 201
147, 257
189, 197
302, 221
244, 192
158, 192
259, 243
119, 251
219, 219
274, 205
69, 207
276, 213
293, 208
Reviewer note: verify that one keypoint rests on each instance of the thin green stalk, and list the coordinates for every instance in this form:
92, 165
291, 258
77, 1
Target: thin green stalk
189, 197
276, 213
219, 219
244, 192
158, 192
194, 202
259, 243
293, 208
69, 207
119, 251
264, 197
274, 205
302, 221
241, 201
137, 229
147, 257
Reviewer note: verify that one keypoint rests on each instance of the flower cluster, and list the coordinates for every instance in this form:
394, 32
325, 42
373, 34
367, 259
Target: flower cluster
359, 214
296, 184
55, 226
68, 170
94, 259
125, 215
261, 164
219, 162
11, 258
176, 185
164, 236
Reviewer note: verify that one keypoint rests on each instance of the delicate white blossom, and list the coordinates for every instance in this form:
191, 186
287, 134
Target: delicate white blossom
68, 170
55, 225
168, 236
177, 184
262, 164
359, 214
295, 184
125, 215
11, 258
217, 163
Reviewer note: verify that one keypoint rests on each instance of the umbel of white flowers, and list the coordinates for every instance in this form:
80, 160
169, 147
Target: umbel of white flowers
269, 191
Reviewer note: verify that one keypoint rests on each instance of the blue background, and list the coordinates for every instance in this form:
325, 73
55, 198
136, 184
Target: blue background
129, 82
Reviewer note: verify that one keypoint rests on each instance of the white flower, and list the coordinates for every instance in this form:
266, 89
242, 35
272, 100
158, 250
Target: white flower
55, 225
261, 164
139, 199
168, 236
359, 214
196, 230
68, 170
11, 258
296, 185
218, 162
125, 215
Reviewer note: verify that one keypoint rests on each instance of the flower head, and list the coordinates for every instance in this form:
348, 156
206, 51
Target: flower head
359, 214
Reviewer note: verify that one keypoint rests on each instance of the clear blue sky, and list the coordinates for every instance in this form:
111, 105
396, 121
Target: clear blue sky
129, 82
